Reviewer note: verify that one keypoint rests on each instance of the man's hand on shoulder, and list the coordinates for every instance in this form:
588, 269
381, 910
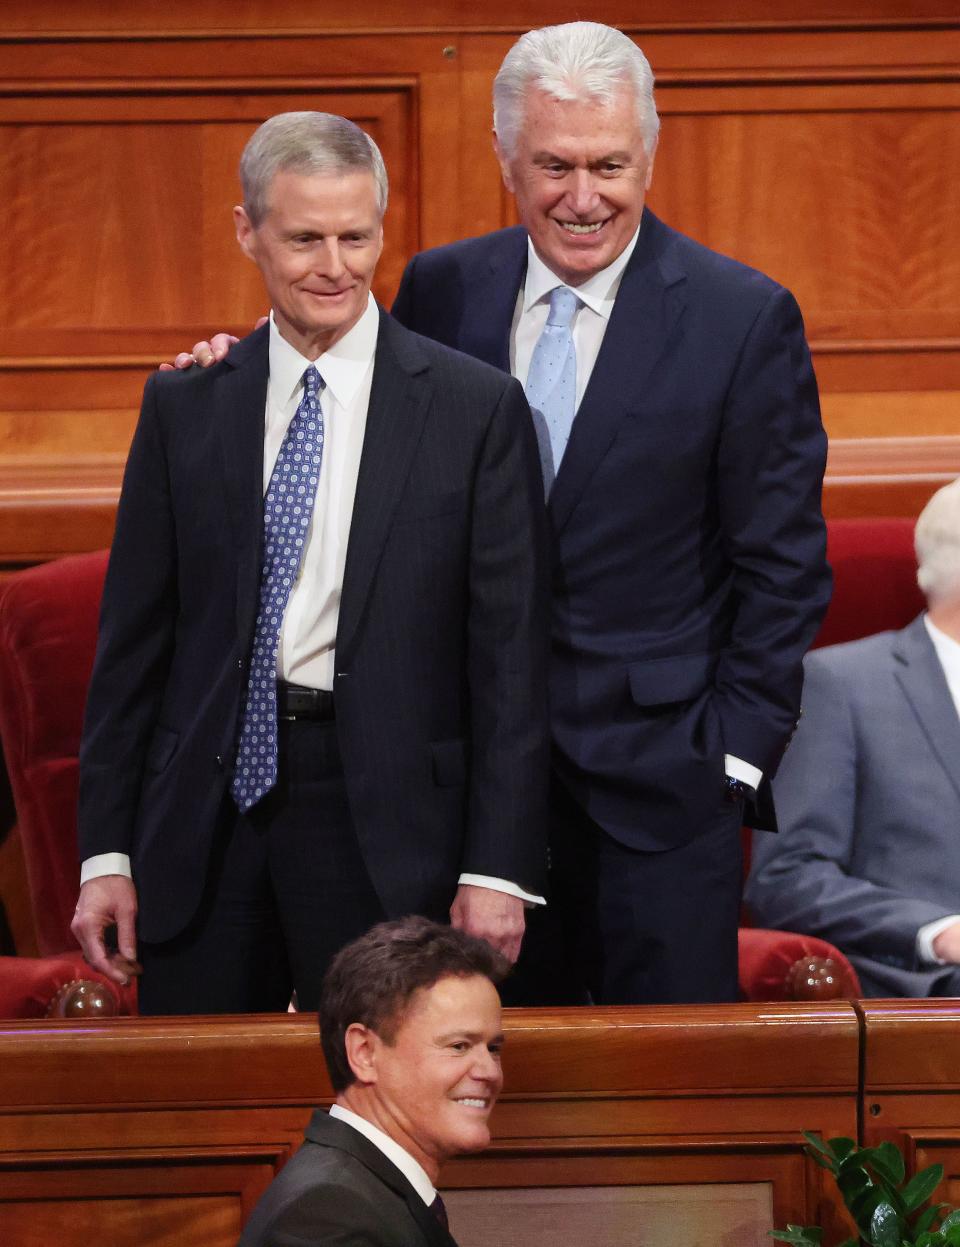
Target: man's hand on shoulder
207, 353
496, 917
947, 944
107, 901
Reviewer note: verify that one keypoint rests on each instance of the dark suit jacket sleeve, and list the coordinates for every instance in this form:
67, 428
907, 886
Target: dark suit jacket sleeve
135, 642
507, 653
337, 1216
800, 879
771, 459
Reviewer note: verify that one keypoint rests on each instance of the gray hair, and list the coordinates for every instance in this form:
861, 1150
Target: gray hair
306, 143
937, 542
579, 60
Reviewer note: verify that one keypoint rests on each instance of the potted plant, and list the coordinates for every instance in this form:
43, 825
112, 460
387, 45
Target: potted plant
887, 1211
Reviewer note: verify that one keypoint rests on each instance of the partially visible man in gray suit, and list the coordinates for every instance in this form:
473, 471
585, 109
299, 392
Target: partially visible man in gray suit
868, 794
410, 1027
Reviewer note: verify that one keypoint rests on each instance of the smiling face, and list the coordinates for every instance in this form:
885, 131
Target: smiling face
433, 1087
317, 248
580, 175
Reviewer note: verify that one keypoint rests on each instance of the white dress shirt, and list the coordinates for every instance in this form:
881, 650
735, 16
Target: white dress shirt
597, 296
948, 652
411, 1169
309, 630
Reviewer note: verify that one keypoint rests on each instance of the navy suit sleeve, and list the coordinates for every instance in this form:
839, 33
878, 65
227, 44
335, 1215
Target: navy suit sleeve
771, 460
508, 642
137, 621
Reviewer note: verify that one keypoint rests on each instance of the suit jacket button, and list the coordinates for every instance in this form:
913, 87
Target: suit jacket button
219, 761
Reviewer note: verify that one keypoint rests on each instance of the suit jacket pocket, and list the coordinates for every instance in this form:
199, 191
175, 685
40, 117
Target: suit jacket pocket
449, 763
681, 677
162, 748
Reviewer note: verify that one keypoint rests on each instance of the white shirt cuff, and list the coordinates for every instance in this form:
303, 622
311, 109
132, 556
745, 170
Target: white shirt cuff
105, 864
927, 934
736, 768
501, 885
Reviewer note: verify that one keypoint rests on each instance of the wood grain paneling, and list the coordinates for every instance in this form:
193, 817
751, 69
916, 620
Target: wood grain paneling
820, 144
911, 1085
136, 1114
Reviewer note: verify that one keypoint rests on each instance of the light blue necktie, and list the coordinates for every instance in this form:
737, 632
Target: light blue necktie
286, 518
552, 383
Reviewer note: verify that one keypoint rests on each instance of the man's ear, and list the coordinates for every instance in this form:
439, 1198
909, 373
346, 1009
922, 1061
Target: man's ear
504, 164
245, 231
650, 159
361, 1045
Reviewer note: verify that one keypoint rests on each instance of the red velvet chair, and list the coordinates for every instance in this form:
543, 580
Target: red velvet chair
48, 621
875, 589
48, 628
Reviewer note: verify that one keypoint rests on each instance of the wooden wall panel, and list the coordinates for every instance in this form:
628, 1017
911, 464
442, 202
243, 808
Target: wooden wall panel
821, 146
138, 1114
911, 1083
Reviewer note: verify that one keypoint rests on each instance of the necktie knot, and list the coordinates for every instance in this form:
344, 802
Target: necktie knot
563, 304
312, 384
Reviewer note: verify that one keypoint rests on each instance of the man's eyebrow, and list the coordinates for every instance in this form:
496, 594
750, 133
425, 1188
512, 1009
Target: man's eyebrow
473, 1036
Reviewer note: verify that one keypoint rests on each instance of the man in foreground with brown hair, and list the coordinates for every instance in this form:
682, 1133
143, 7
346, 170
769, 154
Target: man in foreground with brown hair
410, 1028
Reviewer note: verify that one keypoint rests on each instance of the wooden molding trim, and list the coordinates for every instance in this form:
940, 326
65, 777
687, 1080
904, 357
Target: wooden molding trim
849, 460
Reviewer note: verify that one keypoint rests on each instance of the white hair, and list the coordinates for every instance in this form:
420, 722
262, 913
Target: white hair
937, 542
306, 142
576, 61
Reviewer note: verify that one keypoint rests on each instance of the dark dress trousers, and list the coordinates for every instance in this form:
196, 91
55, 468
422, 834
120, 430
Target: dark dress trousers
340, 1188
688, 574
440, 685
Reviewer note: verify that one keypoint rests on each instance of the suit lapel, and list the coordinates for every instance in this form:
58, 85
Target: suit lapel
331, 1132
241, 399
494, 290
648, 306
921, 677
399, 400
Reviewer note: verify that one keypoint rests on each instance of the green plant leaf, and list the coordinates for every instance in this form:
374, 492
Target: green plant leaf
928, 1239
921, 1186
863, 1207
841, 1148
888, 1162
799, 1235
885, 1226
951, 1219
926, 1218
819, 1151
951, 1234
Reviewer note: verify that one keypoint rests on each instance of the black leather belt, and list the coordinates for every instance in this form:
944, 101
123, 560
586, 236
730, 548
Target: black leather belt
295, 701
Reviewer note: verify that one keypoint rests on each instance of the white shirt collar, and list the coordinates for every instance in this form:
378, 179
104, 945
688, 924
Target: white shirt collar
411, 1169
343, 367
948, 651
597, 292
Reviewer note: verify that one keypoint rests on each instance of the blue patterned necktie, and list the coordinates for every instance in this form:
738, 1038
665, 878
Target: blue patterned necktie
552, 382
286, 518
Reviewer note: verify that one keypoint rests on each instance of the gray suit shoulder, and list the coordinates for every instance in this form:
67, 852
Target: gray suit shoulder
852, 659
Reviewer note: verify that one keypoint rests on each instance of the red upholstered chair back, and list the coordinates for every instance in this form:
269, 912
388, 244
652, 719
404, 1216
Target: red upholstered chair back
48, 633
874, 578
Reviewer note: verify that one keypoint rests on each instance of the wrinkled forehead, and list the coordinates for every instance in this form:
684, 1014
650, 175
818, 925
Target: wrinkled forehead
351, 191
589, 124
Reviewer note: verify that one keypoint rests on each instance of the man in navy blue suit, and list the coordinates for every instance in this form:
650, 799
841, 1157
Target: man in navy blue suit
689, 569
683, 460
